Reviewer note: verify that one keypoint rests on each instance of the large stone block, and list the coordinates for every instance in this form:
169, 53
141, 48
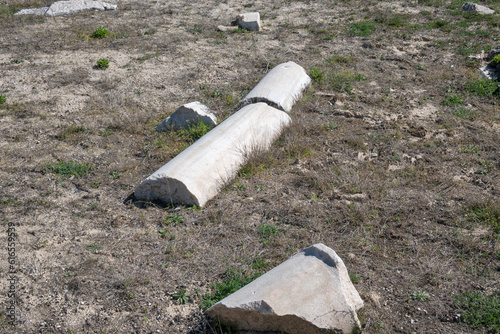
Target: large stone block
75, 6
477, 9
198, 173
188, 115
281, 87
310, 293
249, 21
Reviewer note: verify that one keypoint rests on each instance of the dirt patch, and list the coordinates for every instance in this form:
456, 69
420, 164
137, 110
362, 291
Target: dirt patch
392, 160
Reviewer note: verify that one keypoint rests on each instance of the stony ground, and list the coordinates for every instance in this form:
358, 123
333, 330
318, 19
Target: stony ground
392, 160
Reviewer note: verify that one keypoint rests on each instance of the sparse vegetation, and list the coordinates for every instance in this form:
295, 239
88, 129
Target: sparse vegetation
69, 168
234, 280
391, 159
481, 311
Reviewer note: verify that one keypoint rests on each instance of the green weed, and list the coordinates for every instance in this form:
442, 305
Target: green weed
100, 32
102, 64
196, 131
361, 29
2, 99
71, 130
69, 168
266, 232
420, 295
115, 175
462, 112
174, 220
482, 87
181, 296
453, 100
486, 214
235, 280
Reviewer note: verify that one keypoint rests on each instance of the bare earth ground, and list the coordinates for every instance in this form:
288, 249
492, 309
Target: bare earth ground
392, 160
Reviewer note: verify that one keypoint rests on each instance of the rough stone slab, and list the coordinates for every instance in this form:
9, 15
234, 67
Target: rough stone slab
198, 173
281, 87
310, 293
188, 115
249, 21
475, 8
75, 6
33, 11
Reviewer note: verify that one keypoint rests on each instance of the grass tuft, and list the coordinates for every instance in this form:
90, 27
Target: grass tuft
69, 168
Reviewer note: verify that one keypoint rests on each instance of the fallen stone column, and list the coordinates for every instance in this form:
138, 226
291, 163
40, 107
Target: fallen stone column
310, 293
198, 173
281, 87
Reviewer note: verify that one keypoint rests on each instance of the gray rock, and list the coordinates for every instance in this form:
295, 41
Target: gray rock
249, 21
307, 294
188, 115
33, 11
281, 87
475, 8
75, 6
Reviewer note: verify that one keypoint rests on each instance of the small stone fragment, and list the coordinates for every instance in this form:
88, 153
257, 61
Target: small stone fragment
188, 115
249, 21
225, 28
310, 293
475, 8
32, 11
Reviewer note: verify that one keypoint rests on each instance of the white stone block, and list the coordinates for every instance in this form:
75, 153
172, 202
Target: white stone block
33, 11
310, 293
75, 6
188, 115
249, 21
475, 8
281, 87
199, 172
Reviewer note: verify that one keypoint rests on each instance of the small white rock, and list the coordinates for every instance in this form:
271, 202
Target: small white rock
188, 115
249, 21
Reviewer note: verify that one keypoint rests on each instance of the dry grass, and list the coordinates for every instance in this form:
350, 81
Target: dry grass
391, 160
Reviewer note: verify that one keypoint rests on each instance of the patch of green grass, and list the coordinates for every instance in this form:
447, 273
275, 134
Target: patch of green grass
453, 100
266, 232
105, 132
234, 280
486, 214
69, 168
480, 310
3, 99
181, 296
471, 148
151, 31
93, 247
420, 295
195, 131
115, 175
463, 112
495, 61
338, 59
174, 220
316, 74
361, 29
354, 278
102, 64
71, 130
100, 32
437, 24
482, 87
